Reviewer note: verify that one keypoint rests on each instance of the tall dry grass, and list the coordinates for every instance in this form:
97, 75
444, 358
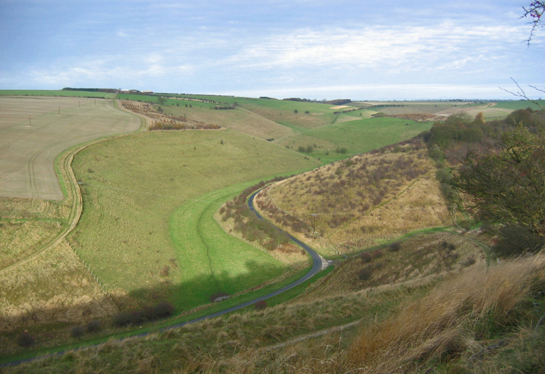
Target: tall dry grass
457, 319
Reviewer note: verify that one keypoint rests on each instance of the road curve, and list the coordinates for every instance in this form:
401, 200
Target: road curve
315, 269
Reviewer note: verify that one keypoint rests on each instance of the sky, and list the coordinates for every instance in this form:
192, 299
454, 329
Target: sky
361, 50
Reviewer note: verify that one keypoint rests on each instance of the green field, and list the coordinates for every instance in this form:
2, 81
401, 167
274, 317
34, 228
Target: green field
134, 215
65, 93
520, 104
356, 136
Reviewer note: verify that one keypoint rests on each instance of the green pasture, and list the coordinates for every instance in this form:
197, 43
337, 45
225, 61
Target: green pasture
210, 260
356, 136
66, 93
146, 210
520, 104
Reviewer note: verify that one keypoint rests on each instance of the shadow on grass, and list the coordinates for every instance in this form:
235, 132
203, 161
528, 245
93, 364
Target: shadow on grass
54, 326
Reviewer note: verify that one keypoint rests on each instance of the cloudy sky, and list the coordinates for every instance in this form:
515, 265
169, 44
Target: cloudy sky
315, 49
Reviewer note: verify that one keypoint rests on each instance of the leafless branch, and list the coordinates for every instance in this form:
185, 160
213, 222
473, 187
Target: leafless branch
520, 93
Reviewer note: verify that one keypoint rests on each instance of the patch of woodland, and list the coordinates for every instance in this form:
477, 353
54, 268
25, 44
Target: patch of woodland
460, 141
452, 139
419, 117
158, 120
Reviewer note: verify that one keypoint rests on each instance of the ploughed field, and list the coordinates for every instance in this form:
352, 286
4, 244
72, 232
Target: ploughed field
35, 130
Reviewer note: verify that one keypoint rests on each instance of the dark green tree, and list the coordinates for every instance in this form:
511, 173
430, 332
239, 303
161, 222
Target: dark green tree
506, 184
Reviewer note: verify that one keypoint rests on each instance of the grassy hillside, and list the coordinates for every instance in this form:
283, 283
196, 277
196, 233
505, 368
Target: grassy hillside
339, 141
437, 322
136, 233
365, 200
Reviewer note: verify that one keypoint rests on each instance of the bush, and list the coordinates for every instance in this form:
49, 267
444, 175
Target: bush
163, 309
77, 331
122, 319
515, 240
94, 326
260, 305
25, 339
365, 274
366, 257
394, 247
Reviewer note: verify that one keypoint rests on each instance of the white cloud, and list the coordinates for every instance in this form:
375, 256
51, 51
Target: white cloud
409, 48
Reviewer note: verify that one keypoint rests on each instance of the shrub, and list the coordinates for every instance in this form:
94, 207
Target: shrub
163, 309
77, 331
94, 326
25, 339
366, 257
260, 305
122, 319
377, 254
365, 274
394, 247
515, 240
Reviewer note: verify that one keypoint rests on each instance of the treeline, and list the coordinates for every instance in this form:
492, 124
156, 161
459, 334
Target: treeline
348, 110
108, 90
331, 102
461, 128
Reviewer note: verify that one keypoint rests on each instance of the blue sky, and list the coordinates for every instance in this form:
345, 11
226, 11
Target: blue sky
362, 50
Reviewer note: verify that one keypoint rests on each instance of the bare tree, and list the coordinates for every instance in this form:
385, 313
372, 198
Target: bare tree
534, 12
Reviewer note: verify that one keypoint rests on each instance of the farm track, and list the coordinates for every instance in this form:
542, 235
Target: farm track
75, 211
73, 191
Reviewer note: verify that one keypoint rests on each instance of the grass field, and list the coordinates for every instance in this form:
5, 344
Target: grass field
35, 130
64, 93
133, 189
356, 136
520, 104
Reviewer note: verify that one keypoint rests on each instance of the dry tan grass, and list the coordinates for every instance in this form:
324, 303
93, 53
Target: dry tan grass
446, 323
349, 208
52, 286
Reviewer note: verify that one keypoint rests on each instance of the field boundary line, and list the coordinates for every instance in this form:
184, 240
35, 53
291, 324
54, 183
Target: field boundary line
66, 173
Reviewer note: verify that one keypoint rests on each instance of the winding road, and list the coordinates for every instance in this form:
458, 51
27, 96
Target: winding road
315, 269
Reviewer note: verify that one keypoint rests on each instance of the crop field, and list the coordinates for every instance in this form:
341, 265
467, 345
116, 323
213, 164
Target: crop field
520, 104
141, 193
35, 130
